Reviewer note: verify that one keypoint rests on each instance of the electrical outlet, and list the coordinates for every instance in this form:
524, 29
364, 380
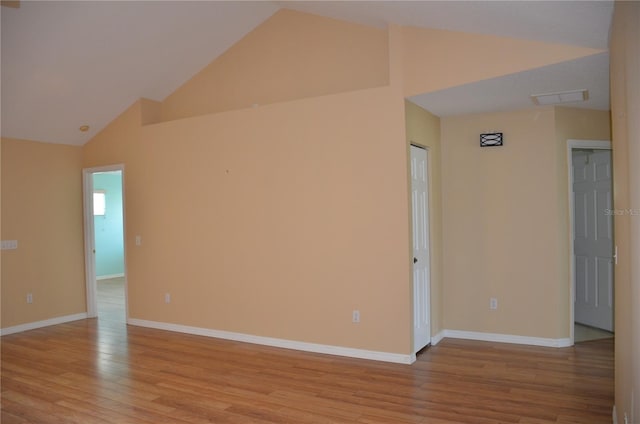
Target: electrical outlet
493, 303
138, 240
29, 297
355, 316
167, 298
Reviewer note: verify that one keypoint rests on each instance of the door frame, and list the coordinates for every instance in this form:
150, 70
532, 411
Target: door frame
428, 231
90, 241
571, 145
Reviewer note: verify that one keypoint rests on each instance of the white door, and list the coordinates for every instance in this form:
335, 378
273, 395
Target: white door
593, 241
420, 220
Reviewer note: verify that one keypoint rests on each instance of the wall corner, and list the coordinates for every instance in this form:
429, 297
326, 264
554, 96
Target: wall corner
150, 111
396, 57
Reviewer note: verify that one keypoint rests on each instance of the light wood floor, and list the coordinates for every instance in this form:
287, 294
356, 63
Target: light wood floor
111, 299
102, 371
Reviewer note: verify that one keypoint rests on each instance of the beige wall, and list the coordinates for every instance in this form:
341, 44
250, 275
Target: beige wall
437, 59
500, 225
505, 216
625, 108
0, 235
292, 55
581, 124
42, 209
280, 220
269, 221
423, 129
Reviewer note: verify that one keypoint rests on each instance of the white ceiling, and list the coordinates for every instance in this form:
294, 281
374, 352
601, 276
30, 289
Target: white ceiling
582, 23
66, 64
512, 92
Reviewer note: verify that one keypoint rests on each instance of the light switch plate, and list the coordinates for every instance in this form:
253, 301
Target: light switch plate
9, 244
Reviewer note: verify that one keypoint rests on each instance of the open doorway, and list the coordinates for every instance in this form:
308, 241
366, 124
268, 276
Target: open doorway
592, 244
104, 243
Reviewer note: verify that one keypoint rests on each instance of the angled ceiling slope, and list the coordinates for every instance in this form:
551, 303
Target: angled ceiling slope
67, 64
583, 24
511, 92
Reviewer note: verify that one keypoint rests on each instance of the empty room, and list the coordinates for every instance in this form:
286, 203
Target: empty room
320, 212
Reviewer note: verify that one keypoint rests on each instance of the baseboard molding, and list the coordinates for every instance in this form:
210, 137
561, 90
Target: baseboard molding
305, 346
437, 338
506, 338
281, 343
39, 324
106, 277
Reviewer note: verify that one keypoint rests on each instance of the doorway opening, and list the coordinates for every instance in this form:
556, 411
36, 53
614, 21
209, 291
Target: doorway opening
592, 244
105, 268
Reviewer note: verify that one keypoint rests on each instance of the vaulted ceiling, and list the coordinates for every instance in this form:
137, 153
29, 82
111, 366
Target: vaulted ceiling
68, 64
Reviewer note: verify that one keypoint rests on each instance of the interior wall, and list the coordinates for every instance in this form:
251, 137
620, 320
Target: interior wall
0, 233
581, 124
283, 221
42, 210
423, 129
625, 107
500, 226
505, 213
290, 56
430, 52
279, 225
109, 241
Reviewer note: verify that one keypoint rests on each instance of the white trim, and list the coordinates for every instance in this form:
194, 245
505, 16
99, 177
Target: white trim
437, 338
39, 324
507, 338
282, 343
89, 238
576, 144
589, 144
106, 277
614, 415
89, 243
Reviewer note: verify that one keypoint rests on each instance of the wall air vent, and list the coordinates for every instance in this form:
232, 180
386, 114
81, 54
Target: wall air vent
491, 139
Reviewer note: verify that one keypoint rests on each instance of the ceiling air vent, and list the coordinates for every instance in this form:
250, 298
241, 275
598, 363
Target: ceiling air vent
559, 97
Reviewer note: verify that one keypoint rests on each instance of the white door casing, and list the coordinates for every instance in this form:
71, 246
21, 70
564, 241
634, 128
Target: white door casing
421, 266
89, 244
89, 238
593, 238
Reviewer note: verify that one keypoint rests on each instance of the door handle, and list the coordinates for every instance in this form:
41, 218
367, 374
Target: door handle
415, 260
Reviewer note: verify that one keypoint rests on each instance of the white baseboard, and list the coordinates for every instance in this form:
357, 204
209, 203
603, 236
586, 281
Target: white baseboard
309, 347
506, 338
282, 343
40, 324
106, 277
437, 338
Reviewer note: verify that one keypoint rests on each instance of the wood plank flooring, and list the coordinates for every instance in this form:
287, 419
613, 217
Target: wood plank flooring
102, 371
111, 299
